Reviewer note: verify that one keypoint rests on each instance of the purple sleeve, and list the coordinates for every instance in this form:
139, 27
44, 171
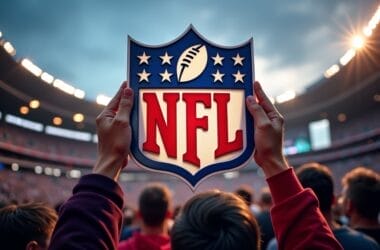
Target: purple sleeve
92, 217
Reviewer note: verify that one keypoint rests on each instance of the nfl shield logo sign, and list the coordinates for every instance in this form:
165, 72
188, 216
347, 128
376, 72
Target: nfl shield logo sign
189, 117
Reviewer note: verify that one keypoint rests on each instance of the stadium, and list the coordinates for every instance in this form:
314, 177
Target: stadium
48, 131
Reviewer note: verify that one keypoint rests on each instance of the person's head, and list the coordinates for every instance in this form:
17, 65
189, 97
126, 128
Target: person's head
361, 192
215, 220
246, 193
27, 226
319, 178
265, 198
129, 215
154, 204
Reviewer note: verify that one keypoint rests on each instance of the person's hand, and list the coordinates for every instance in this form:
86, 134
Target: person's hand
269, 132
114, 134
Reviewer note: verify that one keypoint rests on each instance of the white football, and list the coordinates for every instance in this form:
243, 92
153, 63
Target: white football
191, 63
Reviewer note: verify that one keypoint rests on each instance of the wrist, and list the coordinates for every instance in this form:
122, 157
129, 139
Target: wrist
109, 166
273, 166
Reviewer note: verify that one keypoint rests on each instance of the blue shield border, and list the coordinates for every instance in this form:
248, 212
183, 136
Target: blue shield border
175, 47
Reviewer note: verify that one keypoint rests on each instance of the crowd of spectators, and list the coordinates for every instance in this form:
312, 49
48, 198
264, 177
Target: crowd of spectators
212, 217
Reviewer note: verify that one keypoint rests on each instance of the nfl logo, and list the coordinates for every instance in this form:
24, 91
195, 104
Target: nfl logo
189, 117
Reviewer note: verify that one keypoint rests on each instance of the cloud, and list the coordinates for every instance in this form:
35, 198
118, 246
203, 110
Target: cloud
275, 81
84, 42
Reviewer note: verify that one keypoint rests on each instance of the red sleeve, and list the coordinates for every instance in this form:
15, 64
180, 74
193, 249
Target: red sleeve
297, 220
92, 217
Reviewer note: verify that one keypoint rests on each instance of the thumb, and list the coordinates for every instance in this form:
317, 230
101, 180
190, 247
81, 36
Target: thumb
125, 105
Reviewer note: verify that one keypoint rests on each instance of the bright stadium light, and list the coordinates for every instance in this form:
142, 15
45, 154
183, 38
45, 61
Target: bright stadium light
346, 58
95, 138
286, 96
46, 77
332, 71
57, 172
31, 67
15, 167
367, 31
103, 99
357, 42
231, 175
78, 117
38, 169
48, 171
1, 34
34, 104
78, 93
64, 86
24, 110
24, 123
75, 173
9, 48
67, 133
57, 121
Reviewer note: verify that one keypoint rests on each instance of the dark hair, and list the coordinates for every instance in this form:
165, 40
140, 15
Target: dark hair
215, 220
246, 193
363, 189
20, 224
319, 178
266, 197
154, 203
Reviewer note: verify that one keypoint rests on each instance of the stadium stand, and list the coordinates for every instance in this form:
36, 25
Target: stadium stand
35, 165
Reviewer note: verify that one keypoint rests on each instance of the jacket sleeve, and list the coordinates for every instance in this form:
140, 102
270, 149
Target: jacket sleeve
92, 217
297, 220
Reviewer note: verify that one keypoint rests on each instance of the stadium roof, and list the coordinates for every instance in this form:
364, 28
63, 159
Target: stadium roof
349, 90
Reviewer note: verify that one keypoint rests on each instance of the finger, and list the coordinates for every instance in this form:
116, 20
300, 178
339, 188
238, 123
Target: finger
260, 117
264, 99
113, 105
125, 106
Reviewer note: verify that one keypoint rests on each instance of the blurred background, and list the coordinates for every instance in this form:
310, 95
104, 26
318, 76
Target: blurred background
61, 61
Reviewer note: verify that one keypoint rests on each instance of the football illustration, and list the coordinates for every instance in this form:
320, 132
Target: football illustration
191, 63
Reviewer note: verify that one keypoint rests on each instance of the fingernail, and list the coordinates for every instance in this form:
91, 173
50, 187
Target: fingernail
127, 92
250, 99
257, 85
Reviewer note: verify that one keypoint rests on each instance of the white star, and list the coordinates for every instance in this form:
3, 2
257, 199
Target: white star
218, 76
144, 58
166, 58
217, 59
238, 59
144, 76
166, 76
238, 77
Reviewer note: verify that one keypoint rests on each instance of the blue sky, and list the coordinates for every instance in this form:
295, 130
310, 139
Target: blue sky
85, 42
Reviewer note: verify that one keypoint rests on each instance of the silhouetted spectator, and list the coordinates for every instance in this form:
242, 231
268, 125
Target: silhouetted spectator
293, 229
154, 211
215, 220
248, 195
263, 218
129, 220
319, 178
27, 226
94, 213
361, 199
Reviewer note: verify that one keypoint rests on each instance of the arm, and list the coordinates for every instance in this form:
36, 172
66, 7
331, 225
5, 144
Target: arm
92, 217
296, 218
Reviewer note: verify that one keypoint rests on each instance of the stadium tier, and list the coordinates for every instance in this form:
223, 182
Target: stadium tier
335, 122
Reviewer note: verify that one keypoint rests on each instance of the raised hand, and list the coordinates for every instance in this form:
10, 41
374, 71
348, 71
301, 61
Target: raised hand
114, 134
269, 132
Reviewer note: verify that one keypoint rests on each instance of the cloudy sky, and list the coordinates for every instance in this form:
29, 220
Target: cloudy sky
84, 42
